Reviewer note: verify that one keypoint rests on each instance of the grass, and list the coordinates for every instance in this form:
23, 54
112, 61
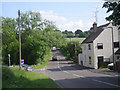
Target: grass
39, 66
13, 78
75, 39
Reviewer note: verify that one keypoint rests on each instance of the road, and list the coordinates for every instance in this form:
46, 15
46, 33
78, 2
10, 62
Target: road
67, 76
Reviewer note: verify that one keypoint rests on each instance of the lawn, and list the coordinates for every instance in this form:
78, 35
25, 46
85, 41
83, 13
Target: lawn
13, 78
75, 39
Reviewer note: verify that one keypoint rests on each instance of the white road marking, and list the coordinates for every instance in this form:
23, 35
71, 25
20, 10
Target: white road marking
106, 83
77, 75
66, 71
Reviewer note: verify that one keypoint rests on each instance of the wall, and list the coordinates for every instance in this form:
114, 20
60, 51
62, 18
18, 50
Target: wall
106, 38
86, 53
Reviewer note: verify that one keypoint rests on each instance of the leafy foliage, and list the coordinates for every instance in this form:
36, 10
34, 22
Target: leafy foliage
113, 7
78, 33
71, 50
37, 38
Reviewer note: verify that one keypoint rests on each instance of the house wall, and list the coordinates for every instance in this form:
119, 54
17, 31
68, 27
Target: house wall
86, 53
119, 36
106, 38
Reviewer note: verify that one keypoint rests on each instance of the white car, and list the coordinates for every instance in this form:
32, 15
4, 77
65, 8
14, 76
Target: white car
53, 48
110, 66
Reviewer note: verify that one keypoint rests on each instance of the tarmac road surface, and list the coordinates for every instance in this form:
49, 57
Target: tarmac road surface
67, 76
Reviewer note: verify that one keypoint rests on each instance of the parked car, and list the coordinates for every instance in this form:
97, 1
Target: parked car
27, 67
110, 66
54, 58
53, 48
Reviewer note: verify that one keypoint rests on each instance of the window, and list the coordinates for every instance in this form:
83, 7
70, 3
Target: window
89, 60
89, 46
118, 57
100, 45
116, 44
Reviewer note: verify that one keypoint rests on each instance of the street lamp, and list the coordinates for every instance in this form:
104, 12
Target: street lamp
19, 39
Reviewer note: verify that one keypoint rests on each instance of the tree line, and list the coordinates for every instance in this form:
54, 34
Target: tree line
77, 34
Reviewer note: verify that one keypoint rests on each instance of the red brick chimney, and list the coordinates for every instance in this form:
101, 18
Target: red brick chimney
94, 26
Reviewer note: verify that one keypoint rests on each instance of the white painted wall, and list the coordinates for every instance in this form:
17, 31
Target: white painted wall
86, 54
106, 38
119, 37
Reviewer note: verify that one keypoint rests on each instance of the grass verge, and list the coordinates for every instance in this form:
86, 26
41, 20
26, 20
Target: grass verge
13, 78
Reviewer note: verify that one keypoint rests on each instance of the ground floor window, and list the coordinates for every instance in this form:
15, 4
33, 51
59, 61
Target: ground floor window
118, 57
89, 60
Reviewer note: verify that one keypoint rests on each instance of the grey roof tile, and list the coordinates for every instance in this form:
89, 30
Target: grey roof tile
94, 35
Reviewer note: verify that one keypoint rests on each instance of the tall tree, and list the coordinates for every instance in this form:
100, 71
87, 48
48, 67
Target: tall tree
113, 6
10, 44
31, 20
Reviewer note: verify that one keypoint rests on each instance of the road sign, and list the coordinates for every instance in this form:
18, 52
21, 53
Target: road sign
22, 61
9, 55
9, 59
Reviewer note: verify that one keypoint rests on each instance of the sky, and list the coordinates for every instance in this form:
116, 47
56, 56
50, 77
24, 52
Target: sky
67, 15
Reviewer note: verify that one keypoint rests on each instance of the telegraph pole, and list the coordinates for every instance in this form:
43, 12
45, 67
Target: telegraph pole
19, 38
114, 61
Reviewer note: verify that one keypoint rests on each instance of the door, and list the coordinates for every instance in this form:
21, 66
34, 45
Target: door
100, 62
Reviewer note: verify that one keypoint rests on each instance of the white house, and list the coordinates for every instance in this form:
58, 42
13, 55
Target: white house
97, 48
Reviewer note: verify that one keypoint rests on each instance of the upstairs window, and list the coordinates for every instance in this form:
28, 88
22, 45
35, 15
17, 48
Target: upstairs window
116, 44
100, 45
89, 46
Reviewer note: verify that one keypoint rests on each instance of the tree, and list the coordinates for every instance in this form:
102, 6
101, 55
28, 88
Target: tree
10, 44
31, 20
37, 38
82, 35
78, 31
115, 8
70, 48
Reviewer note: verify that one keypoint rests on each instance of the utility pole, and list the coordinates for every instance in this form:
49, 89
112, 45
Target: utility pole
19, 38
114, 61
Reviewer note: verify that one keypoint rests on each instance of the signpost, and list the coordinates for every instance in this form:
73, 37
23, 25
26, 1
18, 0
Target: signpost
22, 61
9, 59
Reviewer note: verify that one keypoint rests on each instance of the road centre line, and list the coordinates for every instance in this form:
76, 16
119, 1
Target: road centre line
92, 79
77, 75
68, 72
106, 83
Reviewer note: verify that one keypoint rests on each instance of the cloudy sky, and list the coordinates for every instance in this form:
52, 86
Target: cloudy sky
67, 15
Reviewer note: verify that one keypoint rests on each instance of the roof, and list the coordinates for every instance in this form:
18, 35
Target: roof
94, 35
118, 51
